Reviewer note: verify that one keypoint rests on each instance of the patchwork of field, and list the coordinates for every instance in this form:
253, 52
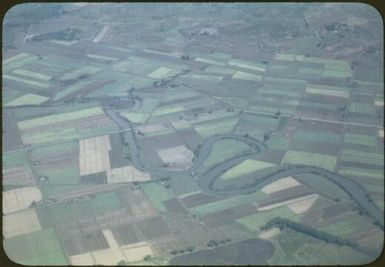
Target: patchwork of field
65, 126
105, 111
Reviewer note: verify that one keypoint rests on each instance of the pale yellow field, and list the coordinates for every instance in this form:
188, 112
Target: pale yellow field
303, 205
20, 223
93, 155
126, 174
178, 156
137, 253
110, 238
379, 103
280, 185
112, 256
20, 198
82, 259
108, 256
241, 75
269, 233
286, 202
381, 133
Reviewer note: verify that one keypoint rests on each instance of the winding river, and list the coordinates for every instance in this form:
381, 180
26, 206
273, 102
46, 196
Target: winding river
206, 181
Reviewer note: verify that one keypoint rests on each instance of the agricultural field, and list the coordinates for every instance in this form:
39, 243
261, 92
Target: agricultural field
192, 134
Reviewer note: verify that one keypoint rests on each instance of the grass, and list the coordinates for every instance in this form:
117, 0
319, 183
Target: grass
135, 117
363, 108
157, 194
183, 184
225, 149
168, 109
76, 73
32, 74
94, 56
15, 159
226, 203
18, 61
160, 73
245, 167
363, 157
70, 89
27, 99
67, 175
327, 90
320, 184
360, 139
204, 77
223, 125
319, 136
247, 65
288, 57
255, 221
101, 203
278, 143
37, 248
56, 118
30, 82
241, 75
360, 172
210, 61
219, 70
315, 159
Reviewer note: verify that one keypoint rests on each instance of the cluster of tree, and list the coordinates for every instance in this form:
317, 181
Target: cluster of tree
214, 243
281, 223
181, 251
68, 34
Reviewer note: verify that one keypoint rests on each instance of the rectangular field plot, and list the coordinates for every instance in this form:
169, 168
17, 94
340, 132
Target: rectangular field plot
93, 155
26, 100
65, 126
23, 249
18, 61
314, 159
20, 198
327, 90
362, 157
20, 223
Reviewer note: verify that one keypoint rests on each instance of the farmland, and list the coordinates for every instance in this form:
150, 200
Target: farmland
171, 134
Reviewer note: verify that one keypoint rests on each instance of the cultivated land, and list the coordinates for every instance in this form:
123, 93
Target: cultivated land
169, 134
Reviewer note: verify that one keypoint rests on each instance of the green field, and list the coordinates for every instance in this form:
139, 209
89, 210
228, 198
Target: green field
315, 159
247, 65
28, 99
245, 167
210, 61
255, 221
35, 248
79, 72
360, 139
319, 136
226, 203
224, 150
101, 203
157, 194
56, 118
241, 75
27, 81
70, 89
327, 90
363, 157
32, 74
15, 159
323, 186
18, 61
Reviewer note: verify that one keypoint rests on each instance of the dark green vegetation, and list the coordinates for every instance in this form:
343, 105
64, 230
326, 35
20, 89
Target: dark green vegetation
246, 252
137, 134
